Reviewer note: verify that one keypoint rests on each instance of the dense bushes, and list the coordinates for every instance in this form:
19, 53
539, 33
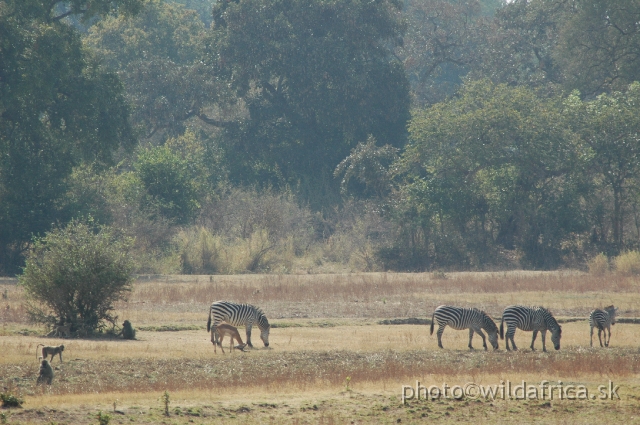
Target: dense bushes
157, 123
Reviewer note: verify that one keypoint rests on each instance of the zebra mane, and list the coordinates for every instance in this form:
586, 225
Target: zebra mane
537, 307
489, 321
484, 313
263, 322
551, 317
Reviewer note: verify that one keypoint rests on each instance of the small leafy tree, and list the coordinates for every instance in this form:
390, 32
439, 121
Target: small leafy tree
73, 275
169, 183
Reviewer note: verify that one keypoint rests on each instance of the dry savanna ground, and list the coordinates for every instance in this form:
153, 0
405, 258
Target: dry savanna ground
330, 359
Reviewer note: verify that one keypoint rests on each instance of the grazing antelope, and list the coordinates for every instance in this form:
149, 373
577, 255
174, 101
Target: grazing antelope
224, 330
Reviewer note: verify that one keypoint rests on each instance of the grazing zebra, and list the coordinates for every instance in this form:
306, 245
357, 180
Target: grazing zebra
530, 319
238, 315
465, 318
603, 320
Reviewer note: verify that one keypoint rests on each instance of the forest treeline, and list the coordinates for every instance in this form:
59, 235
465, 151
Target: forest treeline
283, 136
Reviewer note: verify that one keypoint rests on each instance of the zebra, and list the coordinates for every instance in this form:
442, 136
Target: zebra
530, 319
238, 315
465, 318
603, 319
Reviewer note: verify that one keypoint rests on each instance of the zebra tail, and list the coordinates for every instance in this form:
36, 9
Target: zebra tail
432, 317
502, 327
209, 321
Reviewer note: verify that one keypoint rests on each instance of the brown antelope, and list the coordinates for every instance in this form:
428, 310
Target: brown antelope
224, 330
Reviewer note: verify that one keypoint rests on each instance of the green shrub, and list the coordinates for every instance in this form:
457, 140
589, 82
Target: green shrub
10, 400
169, 184
75, 275
103, 418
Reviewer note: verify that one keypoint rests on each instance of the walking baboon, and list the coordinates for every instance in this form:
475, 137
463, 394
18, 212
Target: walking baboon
46, 373
61, 330
224, 330
49, 350
127, 331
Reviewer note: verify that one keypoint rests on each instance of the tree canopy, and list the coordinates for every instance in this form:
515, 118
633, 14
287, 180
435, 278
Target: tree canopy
158, 56
455, 133
315, 78
493, 165
57, 108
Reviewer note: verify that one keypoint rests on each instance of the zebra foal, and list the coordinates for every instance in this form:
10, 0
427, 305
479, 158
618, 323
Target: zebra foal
603, 319
238, 315
530, 319
465, 318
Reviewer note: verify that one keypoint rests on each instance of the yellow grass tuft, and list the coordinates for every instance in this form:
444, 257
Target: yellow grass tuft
599, 265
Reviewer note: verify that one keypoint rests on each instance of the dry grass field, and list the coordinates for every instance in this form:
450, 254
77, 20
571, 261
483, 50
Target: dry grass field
330, 360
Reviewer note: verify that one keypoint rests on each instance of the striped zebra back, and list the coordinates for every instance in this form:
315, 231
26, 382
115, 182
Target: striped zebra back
603, 318
237, 314
460, 317
525, 318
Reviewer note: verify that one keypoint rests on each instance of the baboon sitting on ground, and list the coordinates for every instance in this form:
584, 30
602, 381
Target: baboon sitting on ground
46, 373
127, 331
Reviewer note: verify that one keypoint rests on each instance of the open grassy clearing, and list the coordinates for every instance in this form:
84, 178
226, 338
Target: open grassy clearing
325, 331
273, 386
370, 405
184, 300
19, 349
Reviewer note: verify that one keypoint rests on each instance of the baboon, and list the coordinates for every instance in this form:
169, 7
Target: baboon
61, 330
127, 331
46, 373
224, 330
49, 350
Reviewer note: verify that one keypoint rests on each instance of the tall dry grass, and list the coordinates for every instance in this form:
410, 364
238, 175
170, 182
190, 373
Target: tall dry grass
308, 370
369, 286
183, 300
202, 252
628, 263
599, 265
